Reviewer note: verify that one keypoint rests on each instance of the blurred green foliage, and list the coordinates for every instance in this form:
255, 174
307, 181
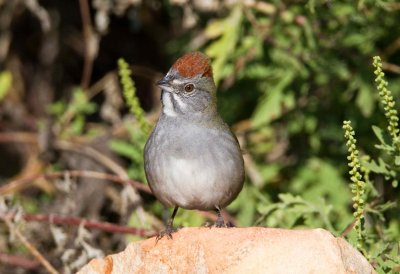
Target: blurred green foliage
132, 150
288, 74
138, 132
129, 92
382, 248
292, 73
71, 117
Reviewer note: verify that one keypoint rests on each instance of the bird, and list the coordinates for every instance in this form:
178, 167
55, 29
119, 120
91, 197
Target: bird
192, 160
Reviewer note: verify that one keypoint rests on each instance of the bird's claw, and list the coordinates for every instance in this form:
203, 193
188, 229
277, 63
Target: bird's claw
220, 222
166, 232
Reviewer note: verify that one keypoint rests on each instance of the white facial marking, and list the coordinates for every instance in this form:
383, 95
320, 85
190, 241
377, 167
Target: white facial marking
177, 82
168, 88
181, 104
168, 107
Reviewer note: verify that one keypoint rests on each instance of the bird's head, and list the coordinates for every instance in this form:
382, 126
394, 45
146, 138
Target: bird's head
188, 87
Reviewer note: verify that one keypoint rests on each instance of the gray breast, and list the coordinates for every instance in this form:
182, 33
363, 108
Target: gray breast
193, 167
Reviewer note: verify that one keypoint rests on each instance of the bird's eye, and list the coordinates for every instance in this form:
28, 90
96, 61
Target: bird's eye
189, 87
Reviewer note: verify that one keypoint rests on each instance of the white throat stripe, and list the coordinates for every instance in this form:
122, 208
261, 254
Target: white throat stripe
168, 106
181, 104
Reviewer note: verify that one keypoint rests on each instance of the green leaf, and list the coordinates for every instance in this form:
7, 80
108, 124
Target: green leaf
257, 71
270, 107
269, 172
215, 29
288, 198
222, 48
57, 108
5, 83
81, 104
246, 206
379, 134
379, 168
365, 100
397, 160
77, 126
124, 148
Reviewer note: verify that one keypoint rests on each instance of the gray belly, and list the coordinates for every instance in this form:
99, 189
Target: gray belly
197, 169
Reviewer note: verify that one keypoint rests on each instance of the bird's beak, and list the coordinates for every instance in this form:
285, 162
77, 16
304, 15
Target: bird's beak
164, 84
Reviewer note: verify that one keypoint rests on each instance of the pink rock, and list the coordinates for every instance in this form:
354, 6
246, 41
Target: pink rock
236, 250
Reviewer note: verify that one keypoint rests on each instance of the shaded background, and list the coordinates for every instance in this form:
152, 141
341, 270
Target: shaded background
288, 74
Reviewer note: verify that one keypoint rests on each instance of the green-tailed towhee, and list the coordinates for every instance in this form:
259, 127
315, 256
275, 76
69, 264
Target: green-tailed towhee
192, 159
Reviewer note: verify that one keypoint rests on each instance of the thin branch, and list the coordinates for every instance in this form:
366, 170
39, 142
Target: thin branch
89, 41
40, 13
349, 228
31, 138
121, 177
26, 181
18, 261
32, 249
75, 221
19, 137
391, 67
93, 154
261, 6
392, 47
393, 6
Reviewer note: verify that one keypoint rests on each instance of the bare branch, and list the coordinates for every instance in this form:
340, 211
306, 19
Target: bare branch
90, 44
32, 249
22, 183
75, 221
18, 261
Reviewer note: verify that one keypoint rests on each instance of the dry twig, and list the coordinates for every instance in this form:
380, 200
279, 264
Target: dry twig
27, 181
93, 154
32, 249
391, 67
19, 137
91, 43
18, 261
75, 221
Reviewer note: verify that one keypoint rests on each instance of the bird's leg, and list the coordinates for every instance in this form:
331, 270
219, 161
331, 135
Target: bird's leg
220, 220
169, 229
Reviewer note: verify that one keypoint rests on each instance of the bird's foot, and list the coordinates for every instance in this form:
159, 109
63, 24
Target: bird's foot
220, 222
169, 229
166, 232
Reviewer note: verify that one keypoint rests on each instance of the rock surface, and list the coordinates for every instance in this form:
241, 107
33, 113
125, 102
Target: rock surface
236, 250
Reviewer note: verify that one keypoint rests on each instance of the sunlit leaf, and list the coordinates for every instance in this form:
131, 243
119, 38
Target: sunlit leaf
222, 48
5, 83
271, 106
